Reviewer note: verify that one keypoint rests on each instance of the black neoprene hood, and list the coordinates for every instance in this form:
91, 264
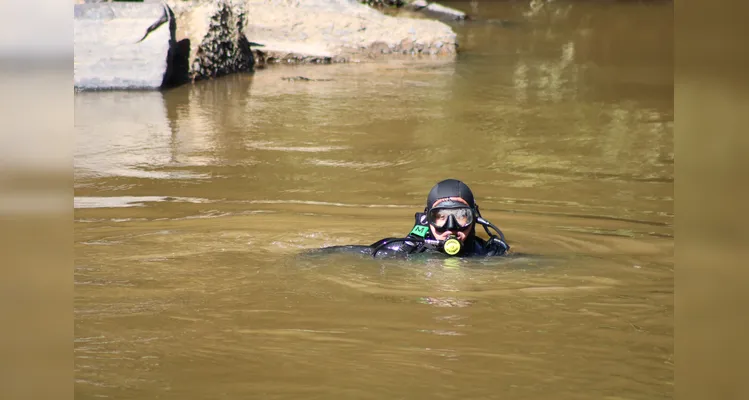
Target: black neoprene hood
450, 188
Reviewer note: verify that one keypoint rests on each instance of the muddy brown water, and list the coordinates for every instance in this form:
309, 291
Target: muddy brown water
194, 209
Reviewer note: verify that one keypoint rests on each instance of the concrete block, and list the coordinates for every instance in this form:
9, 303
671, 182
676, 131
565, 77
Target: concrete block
109, 52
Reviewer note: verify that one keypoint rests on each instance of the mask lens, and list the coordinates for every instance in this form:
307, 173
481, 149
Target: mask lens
439, 216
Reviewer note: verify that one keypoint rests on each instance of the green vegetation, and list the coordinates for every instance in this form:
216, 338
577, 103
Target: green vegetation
385, 3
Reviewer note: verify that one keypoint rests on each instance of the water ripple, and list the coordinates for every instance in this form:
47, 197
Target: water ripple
128, 201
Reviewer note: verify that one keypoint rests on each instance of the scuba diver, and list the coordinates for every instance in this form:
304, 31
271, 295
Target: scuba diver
447, 226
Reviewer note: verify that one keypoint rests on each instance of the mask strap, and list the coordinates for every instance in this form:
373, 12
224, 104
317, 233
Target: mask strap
486, 224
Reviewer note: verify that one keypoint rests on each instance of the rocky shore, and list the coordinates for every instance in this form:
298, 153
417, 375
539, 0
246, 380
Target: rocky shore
156, 45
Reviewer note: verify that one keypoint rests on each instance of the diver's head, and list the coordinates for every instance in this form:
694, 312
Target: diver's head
451, 210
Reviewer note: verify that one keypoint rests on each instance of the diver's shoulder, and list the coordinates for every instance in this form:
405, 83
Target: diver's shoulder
493, 246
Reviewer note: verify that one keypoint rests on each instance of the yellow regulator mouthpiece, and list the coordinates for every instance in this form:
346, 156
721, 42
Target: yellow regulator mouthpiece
452, 246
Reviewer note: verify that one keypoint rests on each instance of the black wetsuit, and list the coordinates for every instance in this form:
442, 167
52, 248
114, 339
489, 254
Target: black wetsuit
473, 246
420, 240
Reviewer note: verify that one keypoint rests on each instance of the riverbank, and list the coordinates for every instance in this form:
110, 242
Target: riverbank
155, 45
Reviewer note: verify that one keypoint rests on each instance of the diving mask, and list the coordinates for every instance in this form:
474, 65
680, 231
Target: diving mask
450, 215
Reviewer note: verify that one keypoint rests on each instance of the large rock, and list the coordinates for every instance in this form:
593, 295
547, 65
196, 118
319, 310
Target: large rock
107, 48
435, 10
213, 32
185, 41
424, 8
341, 31
198, 39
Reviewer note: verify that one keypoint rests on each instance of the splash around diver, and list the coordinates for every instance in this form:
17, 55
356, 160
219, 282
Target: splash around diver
446, 228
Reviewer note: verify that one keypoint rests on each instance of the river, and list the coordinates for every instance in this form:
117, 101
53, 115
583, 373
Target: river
194, 209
